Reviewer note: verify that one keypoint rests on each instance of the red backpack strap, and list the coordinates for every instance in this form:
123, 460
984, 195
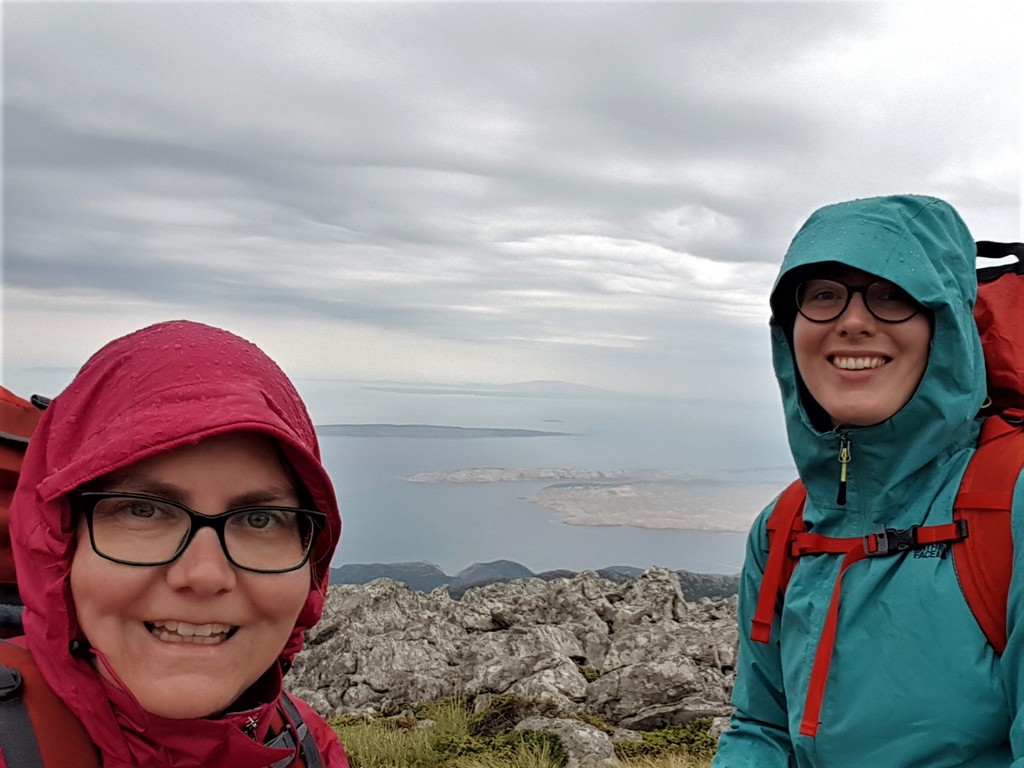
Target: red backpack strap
784, 522
984, 560
62, 740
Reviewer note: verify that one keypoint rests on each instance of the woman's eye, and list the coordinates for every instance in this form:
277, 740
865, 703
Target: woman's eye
136, 508
261, 519
128, 510
894, 294
257, 519
822, 294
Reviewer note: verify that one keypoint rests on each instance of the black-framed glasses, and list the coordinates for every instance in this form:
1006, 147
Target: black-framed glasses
823, 300
138, 529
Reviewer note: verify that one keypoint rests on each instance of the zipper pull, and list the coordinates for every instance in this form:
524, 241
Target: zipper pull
844, 459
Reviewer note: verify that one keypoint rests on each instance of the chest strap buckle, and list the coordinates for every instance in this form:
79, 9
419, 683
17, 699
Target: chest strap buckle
890, 541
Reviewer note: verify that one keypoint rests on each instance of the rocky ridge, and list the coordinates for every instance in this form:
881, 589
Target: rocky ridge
425, 577
635, 653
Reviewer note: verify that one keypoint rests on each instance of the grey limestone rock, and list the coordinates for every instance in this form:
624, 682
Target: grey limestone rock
634, 652
585, 745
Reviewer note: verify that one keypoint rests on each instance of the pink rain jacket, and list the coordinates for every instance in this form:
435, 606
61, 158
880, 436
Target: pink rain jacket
165, 386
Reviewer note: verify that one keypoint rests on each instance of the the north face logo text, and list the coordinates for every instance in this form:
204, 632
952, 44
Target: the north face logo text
933, 550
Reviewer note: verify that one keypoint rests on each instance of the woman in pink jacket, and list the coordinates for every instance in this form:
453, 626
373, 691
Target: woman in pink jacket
172, 530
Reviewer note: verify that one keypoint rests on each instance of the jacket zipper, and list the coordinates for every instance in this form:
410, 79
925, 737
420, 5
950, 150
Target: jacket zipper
845, 454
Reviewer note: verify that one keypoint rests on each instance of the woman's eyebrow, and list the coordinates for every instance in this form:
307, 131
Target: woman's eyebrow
264, 496
142, 485
269, 496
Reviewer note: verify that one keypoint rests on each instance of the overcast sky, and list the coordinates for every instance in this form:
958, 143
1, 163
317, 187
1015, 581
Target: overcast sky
474, 193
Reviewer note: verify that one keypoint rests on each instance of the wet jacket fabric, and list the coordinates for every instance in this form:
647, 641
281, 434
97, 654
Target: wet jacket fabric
163, 387
913, 680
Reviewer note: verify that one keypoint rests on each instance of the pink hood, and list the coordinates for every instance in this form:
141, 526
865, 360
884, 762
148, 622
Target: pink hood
168, 385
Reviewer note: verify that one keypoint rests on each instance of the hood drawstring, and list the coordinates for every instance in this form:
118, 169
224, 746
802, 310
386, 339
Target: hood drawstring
79, 648
845, 454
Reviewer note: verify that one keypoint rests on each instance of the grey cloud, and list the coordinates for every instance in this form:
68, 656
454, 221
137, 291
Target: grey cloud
521, 173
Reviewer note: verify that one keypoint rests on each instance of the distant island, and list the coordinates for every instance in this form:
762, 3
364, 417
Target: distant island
545, 474
427, 430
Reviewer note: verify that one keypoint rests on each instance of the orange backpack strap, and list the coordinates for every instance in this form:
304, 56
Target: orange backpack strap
984, 560
784, 522
59, 737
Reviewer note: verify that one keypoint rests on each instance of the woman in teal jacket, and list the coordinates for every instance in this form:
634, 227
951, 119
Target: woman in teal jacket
880, 364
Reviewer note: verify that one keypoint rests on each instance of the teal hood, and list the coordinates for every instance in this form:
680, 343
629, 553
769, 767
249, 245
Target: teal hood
922, 245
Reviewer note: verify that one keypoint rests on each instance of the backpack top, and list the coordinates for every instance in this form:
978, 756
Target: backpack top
18, 419
1001, 322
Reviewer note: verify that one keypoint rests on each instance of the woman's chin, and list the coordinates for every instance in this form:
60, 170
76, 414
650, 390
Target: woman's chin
193, 709
182, 702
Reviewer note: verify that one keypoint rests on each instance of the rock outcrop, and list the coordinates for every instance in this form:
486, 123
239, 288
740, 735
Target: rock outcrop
425, 577
635, 653
585, 746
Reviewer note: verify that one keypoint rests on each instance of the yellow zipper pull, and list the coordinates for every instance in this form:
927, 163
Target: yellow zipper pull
844, 459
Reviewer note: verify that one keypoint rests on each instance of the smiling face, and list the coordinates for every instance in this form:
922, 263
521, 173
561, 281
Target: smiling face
188, 638
859, 369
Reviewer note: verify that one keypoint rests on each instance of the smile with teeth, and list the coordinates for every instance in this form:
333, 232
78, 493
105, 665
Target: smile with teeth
171, 631
857, 363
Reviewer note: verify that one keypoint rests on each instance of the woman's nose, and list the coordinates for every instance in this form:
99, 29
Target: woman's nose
203, 567
856, 317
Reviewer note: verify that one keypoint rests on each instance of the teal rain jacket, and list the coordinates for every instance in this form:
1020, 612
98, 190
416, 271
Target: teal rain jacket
913, 681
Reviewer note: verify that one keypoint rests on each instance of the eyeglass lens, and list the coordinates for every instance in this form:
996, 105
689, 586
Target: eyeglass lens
824, 300
143, 530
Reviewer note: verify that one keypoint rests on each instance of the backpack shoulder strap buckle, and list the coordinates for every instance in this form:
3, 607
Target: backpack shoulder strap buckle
889, 541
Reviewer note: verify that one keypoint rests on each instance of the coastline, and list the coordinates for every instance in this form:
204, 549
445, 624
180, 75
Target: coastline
658, 499
693, 506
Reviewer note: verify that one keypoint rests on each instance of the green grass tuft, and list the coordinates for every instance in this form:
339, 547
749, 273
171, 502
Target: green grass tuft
458, 738
590, 674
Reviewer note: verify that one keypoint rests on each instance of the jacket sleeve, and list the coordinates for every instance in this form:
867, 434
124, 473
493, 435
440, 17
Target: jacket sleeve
1012, 661
758, 734
326, 738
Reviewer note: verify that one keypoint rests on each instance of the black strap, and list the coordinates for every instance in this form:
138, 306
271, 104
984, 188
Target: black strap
309, 752
42, 402
11, 609
17, 736
989, 249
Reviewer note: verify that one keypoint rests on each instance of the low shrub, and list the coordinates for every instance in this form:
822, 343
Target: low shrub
590, 674
503, 712
691, 739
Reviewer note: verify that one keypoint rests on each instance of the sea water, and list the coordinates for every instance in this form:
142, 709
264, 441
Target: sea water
389, 519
